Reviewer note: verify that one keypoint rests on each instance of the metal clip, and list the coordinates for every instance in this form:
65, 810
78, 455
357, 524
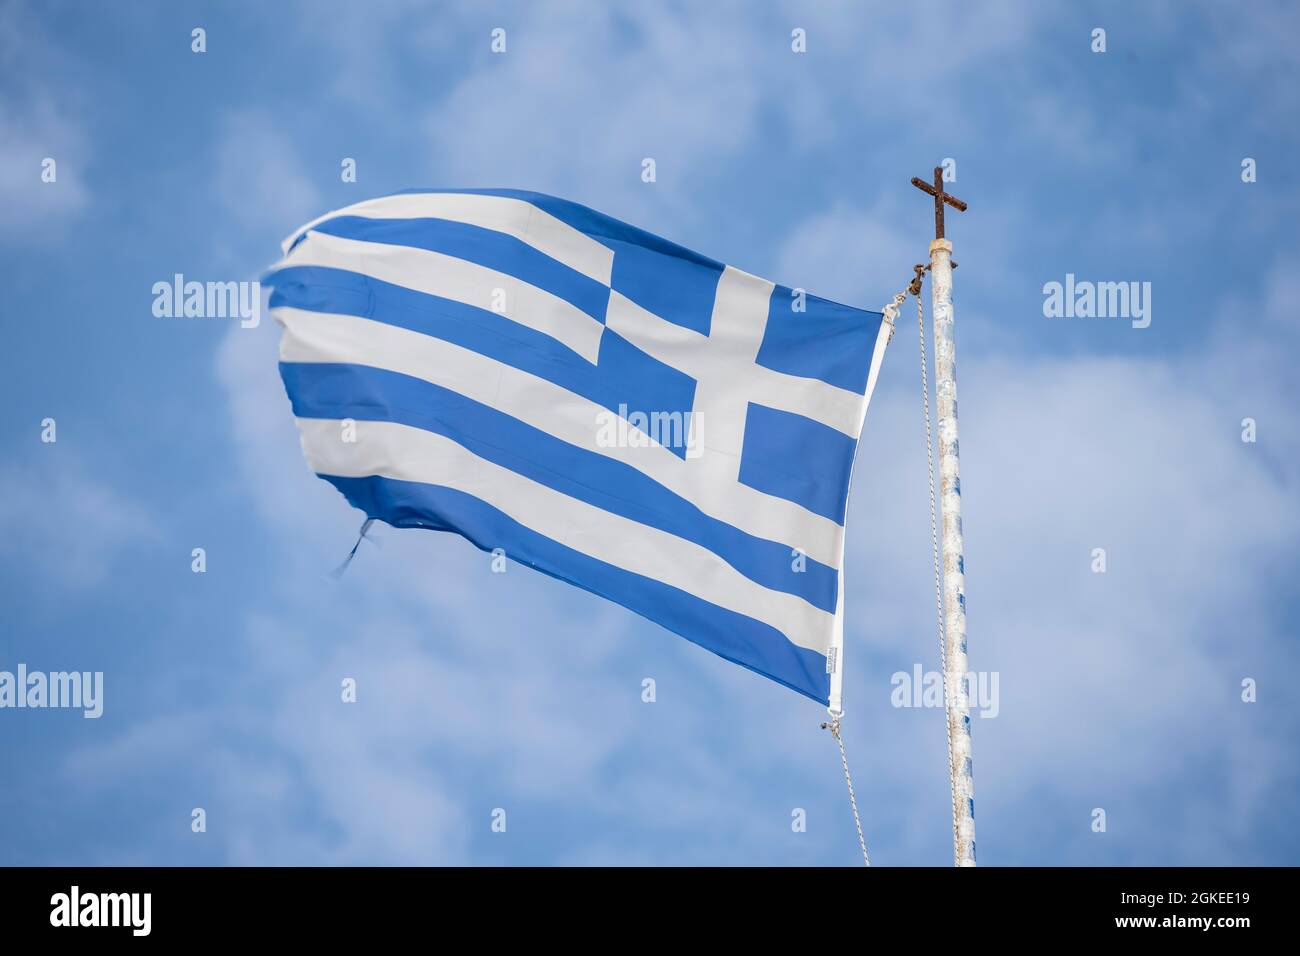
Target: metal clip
915, 287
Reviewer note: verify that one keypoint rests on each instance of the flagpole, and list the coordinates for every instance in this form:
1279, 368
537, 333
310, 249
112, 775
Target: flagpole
955, 664
954, 565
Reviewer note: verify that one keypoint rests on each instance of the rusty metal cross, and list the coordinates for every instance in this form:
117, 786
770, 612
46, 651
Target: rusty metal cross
940, 197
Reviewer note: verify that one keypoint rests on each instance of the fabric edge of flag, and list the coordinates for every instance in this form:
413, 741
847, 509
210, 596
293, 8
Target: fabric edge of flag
835, 704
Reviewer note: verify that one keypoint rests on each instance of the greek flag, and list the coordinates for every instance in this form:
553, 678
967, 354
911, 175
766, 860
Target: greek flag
603, 405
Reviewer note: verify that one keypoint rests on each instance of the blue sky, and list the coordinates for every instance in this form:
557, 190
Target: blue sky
1119, 691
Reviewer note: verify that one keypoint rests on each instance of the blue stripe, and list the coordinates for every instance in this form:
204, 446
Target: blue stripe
816, 338
371, 394
643, 383
604, 229
735, 637
796, 458
675, 289
673, 282
486, 247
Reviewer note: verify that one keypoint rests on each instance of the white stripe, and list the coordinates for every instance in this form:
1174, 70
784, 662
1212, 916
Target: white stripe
412, 454
515, 217
314, 337
457, 279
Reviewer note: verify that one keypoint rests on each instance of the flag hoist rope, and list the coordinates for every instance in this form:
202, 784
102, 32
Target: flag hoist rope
891, 314
833, 725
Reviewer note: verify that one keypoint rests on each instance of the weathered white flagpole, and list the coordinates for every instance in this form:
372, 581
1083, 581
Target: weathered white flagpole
956, 665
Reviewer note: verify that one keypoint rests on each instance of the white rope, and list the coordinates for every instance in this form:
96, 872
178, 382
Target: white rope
934, 546
834, 727
891, 313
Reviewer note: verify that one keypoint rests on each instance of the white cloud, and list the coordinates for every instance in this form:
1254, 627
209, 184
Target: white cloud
36, 125
261, 177
71, 525
585, 93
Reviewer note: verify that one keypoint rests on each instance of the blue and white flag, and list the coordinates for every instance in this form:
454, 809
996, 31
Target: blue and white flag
607, 407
